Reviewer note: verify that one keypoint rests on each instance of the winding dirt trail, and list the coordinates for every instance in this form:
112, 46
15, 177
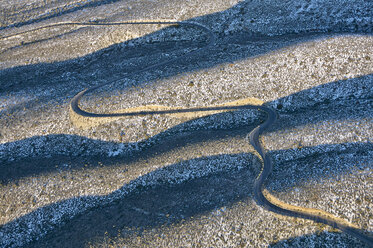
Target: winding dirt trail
84, 119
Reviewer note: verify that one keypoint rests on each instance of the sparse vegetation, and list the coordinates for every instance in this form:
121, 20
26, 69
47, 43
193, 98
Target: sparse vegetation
52, 173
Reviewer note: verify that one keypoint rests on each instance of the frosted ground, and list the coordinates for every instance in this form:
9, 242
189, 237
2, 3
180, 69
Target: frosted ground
161, 181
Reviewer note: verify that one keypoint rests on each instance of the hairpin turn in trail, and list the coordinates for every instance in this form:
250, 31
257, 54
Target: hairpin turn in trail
82, 119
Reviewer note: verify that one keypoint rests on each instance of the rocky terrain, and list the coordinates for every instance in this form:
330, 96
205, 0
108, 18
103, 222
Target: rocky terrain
161, 181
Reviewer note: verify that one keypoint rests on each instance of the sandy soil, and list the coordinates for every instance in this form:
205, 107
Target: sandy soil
162, 181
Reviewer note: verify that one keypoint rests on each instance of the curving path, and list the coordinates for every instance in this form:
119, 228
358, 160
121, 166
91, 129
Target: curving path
261, 196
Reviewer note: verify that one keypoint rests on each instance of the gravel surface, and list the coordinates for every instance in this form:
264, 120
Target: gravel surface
160, 181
